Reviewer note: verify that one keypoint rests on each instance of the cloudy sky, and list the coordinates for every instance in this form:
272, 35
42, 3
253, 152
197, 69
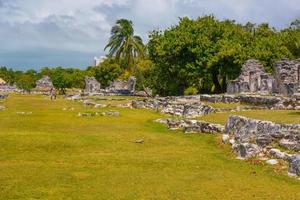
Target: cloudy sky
37, 33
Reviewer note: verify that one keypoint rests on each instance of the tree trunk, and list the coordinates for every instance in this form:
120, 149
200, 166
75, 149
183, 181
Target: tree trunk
224, 84
218, 88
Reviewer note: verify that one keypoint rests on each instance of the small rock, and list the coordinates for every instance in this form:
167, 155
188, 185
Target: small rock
225, 138
294, 165
162, 121
232, 141
141, 141
100, 106
276, 153
272, 162
246, 150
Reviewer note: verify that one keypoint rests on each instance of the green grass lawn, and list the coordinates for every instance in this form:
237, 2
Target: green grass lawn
278, 116
53, 154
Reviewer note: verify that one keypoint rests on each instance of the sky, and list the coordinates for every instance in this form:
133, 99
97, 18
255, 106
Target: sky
70, 33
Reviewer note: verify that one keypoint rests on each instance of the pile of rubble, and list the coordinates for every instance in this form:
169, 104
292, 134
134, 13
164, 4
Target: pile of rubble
109, 113
175, 106
267, 102
3, 96
251, 138
192, 126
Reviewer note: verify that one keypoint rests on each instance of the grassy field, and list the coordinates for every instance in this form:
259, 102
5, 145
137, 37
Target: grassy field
278, 116
53, 154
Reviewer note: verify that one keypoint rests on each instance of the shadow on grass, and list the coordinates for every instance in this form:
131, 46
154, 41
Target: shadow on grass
294, 113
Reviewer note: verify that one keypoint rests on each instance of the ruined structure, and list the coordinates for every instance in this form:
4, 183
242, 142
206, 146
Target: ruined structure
92, 86
123, 87
287, 77
44, 83
253, 79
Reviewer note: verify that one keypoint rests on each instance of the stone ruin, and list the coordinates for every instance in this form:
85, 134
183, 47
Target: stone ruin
44, 83
287, 77
92, 86
253, 79
123, 87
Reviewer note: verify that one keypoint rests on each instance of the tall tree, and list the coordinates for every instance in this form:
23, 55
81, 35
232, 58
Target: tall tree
123, 44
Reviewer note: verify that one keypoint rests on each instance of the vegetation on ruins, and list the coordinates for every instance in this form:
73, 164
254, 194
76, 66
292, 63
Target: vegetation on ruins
203, 53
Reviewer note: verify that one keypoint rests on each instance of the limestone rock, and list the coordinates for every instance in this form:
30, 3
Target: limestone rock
225, 138
253, 79
246, 150
123, 87
287, 76
294, 165
272, 162
276, 153
44, 83
92, 86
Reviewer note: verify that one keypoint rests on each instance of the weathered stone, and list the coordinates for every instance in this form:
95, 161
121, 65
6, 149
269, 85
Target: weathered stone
253, 79
276, 153
262, 132
246, 150
167, 105
100, 106
272, 162
291, 144
225, 138
112, 113
44, 83
287, 76
175, 124
263, 140
294, 165
195, 126
162, 121
123, 87
92, 86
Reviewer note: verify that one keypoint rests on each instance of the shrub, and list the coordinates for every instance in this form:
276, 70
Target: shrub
191, 91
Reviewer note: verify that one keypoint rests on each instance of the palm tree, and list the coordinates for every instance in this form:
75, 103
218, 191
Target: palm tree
123, 44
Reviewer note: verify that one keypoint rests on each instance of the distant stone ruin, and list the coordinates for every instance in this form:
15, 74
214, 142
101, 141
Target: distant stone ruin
123, 87
44, 83
92, 86
287, 76
253, 79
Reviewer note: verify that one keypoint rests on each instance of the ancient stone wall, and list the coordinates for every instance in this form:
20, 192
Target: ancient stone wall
173, 106
287, 76
92, 86
253, 79
44, 83
253, 138
123, 87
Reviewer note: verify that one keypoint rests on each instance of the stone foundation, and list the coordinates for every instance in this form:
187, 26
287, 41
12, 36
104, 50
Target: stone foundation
175, 106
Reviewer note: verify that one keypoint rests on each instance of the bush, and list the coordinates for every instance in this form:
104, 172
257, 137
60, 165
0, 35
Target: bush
190, 91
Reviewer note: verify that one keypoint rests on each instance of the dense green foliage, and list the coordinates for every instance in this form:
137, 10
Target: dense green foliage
107, 72
26, 82
207, 53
